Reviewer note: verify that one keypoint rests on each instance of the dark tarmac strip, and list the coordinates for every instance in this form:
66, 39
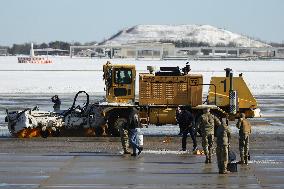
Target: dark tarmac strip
59, 165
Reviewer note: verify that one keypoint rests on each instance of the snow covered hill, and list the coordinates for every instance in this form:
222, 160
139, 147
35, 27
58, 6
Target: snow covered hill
204, 34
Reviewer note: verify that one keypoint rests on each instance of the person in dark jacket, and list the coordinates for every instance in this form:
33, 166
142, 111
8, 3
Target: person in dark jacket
133, 125
57, 102
186, 124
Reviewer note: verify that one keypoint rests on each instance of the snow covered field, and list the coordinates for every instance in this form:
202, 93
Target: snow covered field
68, 75
27, 85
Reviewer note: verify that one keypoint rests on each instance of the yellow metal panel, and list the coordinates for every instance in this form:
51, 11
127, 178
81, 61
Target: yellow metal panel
245, 98
162, 116
177, 90
110, 90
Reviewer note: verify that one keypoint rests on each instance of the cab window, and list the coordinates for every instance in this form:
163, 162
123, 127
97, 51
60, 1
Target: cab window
123, 76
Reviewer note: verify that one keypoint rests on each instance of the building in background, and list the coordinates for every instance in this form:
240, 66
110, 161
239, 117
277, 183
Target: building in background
51, 51
4, 51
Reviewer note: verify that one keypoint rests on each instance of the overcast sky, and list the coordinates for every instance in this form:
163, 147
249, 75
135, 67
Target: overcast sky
93, 20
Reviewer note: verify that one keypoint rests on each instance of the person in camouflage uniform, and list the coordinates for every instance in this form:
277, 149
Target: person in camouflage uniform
244, 127
223, 135
124, 133
124, 138
206, 123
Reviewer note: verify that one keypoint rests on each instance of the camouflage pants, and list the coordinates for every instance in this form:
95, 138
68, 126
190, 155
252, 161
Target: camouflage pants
207, 144
244, 145
124, 137
222, 157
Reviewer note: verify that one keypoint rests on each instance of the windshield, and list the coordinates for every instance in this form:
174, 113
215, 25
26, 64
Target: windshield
123, 76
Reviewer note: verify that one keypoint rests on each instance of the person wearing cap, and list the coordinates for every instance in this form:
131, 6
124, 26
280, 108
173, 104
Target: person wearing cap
206, 124
57, 102
223, 135
244, 127
186, 124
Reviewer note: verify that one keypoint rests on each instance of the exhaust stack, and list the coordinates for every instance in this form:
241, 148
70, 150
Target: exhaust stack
233, 96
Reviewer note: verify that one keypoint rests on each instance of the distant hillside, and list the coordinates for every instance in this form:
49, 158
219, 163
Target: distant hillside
182, 35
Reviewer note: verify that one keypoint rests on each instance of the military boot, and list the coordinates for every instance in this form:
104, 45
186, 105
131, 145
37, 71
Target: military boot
224, 172
126, 151
209, 160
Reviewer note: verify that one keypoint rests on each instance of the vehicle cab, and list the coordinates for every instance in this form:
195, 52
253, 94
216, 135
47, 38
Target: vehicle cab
119, 83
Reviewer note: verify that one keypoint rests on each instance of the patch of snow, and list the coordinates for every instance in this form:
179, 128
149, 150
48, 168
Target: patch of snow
265, 162
165, 151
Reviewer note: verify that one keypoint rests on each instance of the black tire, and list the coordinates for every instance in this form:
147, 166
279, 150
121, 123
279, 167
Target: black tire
44, 134
55, 133
99, 131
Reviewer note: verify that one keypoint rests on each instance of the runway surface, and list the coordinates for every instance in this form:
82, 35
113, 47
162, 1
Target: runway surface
98, 163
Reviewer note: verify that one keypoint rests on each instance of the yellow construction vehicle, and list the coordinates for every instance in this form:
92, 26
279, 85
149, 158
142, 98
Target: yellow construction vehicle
159, 95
